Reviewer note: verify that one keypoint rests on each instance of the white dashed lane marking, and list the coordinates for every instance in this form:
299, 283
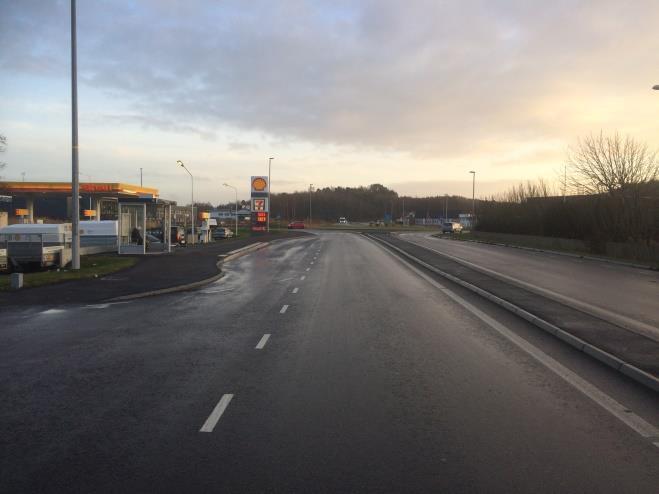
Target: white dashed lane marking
264, 339
295, 290
283, 309
217, 412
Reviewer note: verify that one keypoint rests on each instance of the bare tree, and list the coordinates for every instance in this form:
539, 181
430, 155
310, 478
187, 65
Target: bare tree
3, 147
606, 164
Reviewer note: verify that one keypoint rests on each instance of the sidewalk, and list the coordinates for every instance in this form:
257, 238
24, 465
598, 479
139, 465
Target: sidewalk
153, 272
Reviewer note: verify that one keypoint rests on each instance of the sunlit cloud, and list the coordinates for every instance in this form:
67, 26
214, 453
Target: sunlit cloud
344, 92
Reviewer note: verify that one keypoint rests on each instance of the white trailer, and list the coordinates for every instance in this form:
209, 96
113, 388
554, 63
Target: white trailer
99, 236
37, 245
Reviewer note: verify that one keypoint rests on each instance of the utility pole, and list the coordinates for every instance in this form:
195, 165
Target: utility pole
140, 176
473, 199
310, 189
182, 165
269, 205
446, 209
75, 180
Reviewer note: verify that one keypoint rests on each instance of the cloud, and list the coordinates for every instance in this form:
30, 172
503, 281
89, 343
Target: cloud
506, 81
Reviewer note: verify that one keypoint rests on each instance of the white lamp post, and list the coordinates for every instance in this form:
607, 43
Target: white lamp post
180, 163
236, 191
269, 186
473, 200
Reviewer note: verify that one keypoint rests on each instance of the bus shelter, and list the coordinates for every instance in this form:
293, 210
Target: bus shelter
144, 226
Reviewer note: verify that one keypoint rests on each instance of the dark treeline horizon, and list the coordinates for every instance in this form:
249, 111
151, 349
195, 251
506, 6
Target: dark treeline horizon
364, 203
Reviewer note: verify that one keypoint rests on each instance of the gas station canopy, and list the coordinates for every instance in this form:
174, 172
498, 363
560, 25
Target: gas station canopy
90, 188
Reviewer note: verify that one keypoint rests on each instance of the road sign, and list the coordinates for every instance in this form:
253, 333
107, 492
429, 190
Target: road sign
260, 205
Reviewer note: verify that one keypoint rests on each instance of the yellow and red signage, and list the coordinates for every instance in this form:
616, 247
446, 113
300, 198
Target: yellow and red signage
22, 212
260, 189
88, 213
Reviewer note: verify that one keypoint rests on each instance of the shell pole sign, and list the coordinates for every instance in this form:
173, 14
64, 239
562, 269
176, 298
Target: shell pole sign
260, 207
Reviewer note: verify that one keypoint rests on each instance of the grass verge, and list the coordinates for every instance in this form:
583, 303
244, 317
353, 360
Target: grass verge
90, 267
548, 244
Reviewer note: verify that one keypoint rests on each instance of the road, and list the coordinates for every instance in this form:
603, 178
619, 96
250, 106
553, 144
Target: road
627, 294
373, 379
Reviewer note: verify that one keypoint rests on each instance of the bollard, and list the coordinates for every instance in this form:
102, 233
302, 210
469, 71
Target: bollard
16, 281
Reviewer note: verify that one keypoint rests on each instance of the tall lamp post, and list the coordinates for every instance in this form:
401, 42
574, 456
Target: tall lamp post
473, 199
446, 208
236, 191
310, 189
75, 179
269, 186
180, 163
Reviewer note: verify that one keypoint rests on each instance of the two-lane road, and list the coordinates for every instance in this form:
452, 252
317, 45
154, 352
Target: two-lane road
321, 364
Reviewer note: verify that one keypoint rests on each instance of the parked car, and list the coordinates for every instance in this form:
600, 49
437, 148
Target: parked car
343, 221
293, 225
222, 233
154, 243
451, 227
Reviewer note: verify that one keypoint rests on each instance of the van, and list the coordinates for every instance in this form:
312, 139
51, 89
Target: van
451, 227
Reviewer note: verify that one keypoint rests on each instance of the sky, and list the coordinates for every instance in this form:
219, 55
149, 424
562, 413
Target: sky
412, 95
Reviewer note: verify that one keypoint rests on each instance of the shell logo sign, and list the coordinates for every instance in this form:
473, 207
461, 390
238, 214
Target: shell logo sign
259, 184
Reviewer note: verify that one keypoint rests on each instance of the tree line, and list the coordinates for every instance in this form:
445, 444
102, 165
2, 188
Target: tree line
610, 193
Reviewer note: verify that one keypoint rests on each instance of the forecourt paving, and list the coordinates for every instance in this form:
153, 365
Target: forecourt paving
371, 380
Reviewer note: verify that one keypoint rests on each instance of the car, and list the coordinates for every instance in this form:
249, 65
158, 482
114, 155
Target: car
295, 225
451, 227
343, 221
154, 243
222, 233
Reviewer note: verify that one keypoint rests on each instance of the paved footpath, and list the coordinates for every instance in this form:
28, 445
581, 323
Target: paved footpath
153, 272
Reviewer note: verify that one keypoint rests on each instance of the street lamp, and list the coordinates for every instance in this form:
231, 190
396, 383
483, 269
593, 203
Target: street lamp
269, 205
236, 191
180, 163
75, 179
310, 189
446, 208
473, 199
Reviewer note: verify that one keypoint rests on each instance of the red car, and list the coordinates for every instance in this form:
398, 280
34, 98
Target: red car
295, 224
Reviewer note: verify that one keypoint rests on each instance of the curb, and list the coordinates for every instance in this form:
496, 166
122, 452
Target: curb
234, 254
606, 358
556, 252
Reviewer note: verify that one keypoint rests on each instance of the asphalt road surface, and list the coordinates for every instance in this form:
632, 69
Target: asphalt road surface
321, 364
618, 291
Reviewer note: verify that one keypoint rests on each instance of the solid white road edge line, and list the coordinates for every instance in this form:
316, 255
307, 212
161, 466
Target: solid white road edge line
264, 339
295, 290
217, 412
621, 412
283, 309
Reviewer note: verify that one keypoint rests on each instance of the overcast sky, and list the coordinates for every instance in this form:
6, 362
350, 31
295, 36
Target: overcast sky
411, 94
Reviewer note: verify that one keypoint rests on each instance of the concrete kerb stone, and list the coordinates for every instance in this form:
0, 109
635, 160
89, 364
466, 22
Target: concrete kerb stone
606, 358
234, 254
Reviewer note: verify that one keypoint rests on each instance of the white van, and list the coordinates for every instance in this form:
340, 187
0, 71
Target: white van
343, 221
